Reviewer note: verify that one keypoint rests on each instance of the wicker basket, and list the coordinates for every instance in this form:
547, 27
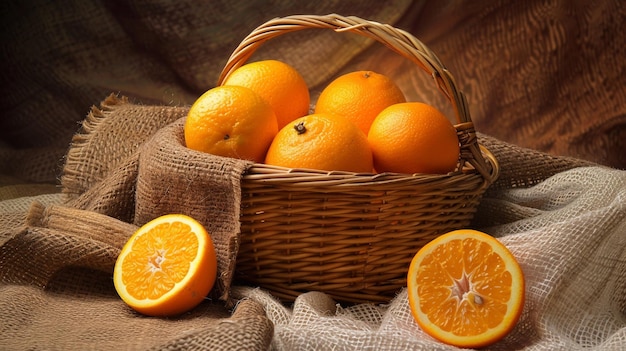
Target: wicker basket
352, 235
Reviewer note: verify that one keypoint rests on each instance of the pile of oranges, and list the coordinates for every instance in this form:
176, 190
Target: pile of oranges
361, 123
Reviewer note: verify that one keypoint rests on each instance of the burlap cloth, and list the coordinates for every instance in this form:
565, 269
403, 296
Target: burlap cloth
563, 218
544, 75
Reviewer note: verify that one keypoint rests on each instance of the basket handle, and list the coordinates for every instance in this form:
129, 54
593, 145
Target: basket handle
396, 40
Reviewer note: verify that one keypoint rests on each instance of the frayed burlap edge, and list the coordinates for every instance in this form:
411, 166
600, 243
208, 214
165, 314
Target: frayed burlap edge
71, 183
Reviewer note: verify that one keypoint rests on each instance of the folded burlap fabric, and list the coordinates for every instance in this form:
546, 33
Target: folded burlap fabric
56, 292
131, 163
60, 249
563, 218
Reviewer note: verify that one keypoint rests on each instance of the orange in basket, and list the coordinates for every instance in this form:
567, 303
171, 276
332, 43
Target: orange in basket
277, 82
466, 289
231, 121
413, 137
321, 141
359, 96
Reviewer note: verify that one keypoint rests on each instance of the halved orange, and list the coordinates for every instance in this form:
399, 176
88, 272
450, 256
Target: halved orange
167, 267
465, 289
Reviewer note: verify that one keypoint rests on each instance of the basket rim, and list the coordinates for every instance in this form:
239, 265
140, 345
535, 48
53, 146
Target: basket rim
271, 174
397, 40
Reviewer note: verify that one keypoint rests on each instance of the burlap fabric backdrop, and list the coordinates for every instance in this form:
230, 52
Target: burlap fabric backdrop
543, 75
564, 218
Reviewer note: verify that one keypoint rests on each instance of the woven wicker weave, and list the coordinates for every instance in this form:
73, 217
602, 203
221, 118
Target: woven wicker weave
352, 235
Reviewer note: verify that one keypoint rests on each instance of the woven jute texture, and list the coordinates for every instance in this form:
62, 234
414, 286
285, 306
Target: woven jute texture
563, 218
56, 292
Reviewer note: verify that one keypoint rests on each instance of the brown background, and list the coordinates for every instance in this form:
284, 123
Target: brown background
547, 75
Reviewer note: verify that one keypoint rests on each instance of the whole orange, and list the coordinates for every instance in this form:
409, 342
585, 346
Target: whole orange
321, 141
413, 137
231, 121
359, 96
277, 82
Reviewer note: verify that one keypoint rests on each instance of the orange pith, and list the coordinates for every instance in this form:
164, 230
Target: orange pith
466, 289
359, 96
167, 267
280, 84
321, 141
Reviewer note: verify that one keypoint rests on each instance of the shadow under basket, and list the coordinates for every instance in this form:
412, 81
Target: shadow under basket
353, 235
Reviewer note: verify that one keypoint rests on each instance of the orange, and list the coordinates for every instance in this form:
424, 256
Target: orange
466, 289
278, 83
231, 121
413, 137
321, 141
167, 267
359, 96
